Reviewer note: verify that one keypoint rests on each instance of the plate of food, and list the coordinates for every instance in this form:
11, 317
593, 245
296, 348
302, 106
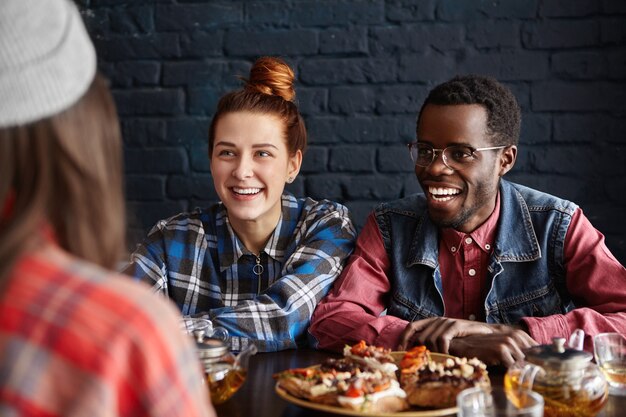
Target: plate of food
374, 381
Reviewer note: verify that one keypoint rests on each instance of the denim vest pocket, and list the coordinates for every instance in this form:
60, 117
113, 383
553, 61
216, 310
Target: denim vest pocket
403, 308
540, 302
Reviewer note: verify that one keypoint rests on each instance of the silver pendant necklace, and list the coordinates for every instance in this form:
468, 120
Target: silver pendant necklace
258, 268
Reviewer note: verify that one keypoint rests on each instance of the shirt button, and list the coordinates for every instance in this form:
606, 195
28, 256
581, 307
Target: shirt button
472, 272
452, 249
472, 317
487, 246
468, 240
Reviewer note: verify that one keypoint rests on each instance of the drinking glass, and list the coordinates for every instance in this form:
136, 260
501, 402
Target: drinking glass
495, 402
610, 353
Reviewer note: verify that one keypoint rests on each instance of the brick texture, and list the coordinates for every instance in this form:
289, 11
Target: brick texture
364, 67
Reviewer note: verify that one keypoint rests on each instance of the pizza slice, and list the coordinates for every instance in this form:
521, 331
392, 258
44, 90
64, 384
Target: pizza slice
319, 383
372, 393
308, 383
375, 357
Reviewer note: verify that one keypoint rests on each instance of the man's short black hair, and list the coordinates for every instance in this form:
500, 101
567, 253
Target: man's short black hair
503, 111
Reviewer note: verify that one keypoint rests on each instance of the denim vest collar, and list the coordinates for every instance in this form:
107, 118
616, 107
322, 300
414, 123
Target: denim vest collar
515, 221
524, 247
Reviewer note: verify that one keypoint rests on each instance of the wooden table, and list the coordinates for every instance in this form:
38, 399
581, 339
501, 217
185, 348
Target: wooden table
257, 397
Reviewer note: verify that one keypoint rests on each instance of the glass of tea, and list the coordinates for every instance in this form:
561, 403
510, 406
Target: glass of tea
496, 402
610, 354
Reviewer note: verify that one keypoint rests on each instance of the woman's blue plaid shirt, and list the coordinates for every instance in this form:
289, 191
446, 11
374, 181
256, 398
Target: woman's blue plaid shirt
197, 260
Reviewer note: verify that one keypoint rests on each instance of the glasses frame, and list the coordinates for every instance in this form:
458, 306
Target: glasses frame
443, 152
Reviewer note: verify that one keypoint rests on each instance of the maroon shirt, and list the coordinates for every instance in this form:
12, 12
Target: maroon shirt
463, 260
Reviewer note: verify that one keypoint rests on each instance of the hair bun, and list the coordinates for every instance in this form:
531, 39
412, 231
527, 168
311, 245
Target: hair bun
270, 75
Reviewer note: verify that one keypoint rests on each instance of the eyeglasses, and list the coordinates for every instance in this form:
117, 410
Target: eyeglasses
455, 157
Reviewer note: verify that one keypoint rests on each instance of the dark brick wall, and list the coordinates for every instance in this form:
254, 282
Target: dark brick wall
363, 69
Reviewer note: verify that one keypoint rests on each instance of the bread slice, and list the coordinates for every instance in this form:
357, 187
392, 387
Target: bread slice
436, 385
438, 394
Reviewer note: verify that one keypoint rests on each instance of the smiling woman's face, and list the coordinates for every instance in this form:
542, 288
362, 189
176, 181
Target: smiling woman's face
250, 165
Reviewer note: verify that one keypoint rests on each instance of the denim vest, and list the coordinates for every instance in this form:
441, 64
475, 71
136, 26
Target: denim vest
525, 272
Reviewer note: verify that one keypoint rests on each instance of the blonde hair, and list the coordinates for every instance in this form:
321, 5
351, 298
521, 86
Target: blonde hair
269, 90
65, 171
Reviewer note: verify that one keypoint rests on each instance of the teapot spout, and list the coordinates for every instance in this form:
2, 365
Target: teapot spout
241, 362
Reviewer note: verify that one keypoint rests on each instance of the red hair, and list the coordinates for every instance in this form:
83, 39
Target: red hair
269, 90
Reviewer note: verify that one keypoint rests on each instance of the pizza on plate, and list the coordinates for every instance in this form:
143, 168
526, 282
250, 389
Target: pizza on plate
367, 379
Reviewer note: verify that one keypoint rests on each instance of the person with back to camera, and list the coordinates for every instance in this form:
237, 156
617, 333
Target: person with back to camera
258, 262
75, 339
476, 266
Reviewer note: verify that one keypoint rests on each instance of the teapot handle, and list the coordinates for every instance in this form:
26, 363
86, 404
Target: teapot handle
577, 339
221, 334
241, 362
527, 376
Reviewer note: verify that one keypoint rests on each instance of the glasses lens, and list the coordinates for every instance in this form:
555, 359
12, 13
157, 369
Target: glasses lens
458, 156
422, 154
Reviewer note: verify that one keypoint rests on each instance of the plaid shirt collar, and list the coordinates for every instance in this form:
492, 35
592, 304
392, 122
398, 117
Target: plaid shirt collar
233, 249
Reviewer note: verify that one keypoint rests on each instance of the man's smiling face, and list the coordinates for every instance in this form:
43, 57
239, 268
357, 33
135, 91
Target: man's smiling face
461, 199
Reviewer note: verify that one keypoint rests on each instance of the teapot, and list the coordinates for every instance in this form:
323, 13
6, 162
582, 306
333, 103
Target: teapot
571, 385
224, 371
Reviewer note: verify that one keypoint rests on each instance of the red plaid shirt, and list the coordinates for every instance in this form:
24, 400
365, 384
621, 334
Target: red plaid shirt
76, 340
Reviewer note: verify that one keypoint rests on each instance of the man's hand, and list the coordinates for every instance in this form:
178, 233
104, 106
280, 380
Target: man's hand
437, 332
503, 347
492, 343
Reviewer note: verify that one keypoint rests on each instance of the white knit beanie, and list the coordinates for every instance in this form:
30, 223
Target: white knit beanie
47, 61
